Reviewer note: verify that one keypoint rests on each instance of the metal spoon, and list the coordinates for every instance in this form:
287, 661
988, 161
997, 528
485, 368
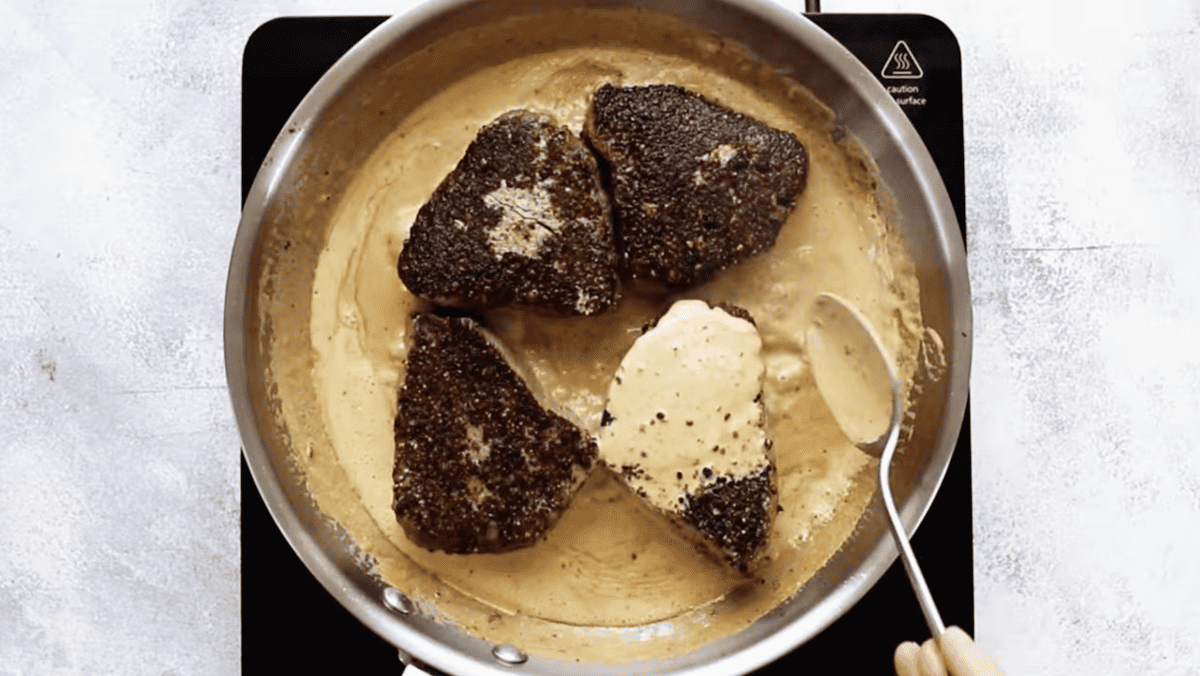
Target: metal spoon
858, 381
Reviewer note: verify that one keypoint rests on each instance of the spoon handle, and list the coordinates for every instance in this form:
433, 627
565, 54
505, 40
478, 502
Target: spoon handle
932, 618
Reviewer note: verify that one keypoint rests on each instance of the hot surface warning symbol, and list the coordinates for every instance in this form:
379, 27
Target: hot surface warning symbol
902, 64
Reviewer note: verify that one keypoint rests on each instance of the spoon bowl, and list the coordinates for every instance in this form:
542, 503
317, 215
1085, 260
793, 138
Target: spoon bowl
857, 379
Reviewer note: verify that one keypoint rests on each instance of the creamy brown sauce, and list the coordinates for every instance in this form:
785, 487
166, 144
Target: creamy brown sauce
611, 572
684, 405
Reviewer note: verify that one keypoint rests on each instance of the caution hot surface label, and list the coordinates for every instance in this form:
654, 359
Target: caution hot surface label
901, 65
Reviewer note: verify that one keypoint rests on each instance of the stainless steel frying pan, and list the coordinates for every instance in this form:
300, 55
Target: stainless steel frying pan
356, 104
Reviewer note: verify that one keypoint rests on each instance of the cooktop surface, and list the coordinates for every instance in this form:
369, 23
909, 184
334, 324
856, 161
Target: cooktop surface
289, 621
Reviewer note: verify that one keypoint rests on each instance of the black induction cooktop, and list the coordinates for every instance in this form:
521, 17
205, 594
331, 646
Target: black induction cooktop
290, 624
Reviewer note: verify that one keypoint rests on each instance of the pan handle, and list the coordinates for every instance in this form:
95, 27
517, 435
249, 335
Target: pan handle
413, 668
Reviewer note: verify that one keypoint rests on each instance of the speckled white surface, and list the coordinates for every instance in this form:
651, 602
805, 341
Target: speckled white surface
119, 460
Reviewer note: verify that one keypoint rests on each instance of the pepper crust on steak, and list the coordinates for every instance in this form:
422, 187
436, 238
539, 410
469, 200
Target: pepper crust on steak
695, 187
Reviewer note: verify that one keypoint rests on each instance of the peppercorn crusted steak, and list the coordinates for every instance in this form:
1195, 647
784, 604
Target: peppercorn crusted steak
695, 187
684, 427
480, 465
523, 218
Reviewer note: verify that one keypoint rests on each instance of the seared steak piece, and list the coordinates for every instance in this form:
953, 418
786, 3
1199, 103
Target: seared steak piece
480, 465
523, 218
684, 427
695, 187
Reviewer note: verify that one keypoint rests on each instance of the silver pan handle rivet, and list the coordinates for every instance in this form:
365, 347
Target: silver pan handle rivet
509, 654
397, 601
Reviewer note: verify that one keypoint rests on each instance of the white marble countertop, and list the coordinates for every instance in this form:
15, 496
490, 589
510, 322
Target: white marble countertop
119, 498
